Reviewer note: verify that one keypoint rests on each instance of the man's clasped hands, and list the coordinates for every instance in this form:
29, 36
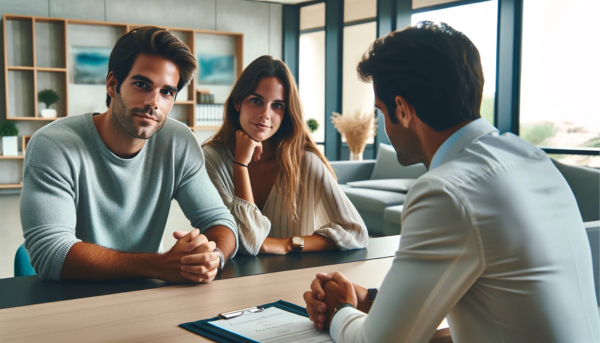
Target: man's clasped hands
191, 258
328, 292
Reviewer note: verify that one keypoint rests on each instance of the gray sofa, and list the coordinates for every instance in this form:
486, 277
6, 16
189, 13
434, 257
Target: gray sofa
377, 188
585, 184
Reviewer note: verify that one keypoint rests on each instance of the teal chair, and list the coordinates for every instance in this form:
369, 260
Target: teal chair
22, 263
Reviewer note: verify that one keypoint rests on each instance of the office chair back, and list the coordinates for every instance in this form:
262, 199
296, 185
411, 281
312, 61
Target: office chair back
22, 263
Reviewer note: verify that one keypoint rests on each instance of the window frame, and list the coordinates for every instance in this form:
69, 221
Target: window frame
394, 13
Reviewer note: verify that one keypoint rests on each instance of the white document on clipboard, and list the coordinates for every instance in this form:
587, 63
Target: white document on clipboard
274, 325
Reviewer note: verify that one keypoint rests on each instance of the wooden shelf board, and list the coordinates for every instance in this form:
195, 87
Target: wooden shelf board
93, 22
48, 20
184, 102
33, 118
10, 185
58, 70
20, 157
206, 128
61, 70
19, 68
17, 17
221, 33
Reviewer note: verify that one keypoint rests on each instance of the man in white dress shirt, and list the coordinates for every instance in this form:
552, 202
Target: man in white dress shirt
492, 237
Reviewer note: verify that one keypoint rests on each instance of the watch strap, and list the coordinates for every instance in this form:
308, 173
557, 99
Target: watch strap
372, 294
221, 258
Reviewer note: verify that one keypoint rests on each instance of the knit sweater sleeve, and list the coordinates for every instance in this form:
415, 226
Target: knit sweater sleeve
48, 206
198, 197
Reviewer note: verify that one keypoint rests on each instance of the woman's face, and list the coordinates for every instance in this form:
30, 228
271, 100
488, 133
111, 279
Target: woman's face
262, 111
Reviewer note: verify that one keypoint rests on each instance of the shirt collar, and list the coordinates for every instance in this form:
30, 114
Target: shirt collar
460, 139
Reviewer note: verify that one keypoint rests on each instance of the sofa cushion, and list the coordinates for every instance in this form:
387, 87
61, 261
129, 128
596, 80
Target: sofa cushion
371, 199
585, 184
392, 185
392, 220
393, 214
387, 166
374, 222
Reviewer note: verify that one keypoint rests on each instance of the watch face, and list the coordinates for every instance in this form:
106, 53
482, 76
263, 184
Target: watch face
297, 240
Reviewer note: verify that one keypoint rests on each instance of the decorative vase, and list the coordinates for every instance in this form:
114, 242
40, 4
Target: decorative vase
10, 146
356, 157
48, 113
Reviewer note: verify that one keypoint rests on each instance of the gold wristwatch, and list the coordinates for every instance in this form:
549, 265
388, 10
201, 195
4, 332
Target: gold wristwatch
298, 243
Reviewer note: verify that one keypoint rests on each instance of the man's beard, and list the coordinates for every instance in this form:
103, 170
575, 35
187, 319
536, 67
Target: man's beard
408, 147
125, 117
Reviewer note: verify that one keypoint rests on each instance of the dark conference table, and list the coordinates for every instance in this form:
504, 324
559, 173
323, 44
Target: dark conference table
151, 310
29, 290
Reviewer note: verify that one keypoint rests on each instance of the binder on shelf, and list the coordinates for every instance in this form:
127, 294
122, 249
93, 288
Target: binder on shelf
209, 115
217, 334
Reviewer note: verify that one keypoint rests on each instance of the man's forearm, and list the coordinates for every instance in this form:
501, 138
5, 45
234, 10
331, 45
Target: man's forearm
224, 238
86, 261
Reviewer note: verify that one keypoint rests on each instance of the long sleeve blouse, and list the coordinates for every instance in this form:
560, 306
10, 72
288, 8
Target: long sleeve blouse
331, 215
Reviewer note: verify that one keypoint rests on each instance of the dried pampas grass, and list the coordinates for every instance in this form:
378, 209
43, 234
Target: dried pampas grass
357, 127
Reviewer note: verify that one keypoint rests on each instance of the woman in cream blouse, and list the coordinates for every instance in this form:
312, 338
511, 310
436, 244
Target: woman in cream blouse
270, 174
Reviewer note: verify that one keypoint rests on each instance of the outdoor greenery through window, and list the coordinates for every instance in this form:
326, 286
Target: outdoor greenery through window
479, 22
559, 77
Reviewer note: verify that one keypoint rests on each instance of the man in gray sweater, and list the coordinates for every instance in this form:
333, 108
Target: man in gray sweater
98, 187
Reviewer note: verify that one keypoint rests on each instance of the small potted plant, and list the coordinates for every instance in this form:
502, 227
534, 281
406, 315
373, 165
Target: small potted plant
9, 132
48, 97
313, 125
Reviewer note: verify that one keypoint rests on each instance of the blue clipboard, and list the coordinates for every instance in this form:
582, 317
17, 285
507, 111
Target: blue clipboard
203, 328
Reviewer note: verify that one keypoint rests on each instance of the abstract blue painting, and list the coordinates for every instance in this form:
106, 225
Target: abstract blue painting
91, 64
216, 69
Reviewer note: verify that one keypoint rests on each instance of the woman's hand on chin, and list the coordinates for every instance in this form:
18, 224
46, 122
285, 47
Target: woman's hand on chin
276, 246
246, 148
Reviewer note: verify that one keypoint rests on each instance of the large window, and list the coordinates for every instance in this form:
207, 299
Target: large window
357, 95
560, 70
311, 78
360, 30
358, 37
479, 22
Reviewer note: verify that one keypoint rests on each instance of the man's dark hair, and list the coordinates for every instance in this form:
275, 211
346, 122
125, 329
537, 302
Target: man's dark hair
434, 67
150, 40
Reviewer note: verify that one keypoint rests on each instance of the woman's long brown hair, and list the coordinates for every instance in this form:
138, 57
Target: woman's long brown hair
291, 140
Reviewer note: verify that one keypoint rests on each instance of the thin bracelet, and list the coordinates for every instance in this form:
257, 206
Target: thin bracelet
243, 165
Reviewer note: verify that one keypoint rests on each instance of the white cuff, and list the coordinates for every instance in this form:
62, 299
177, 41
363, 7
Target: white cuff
339, 319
